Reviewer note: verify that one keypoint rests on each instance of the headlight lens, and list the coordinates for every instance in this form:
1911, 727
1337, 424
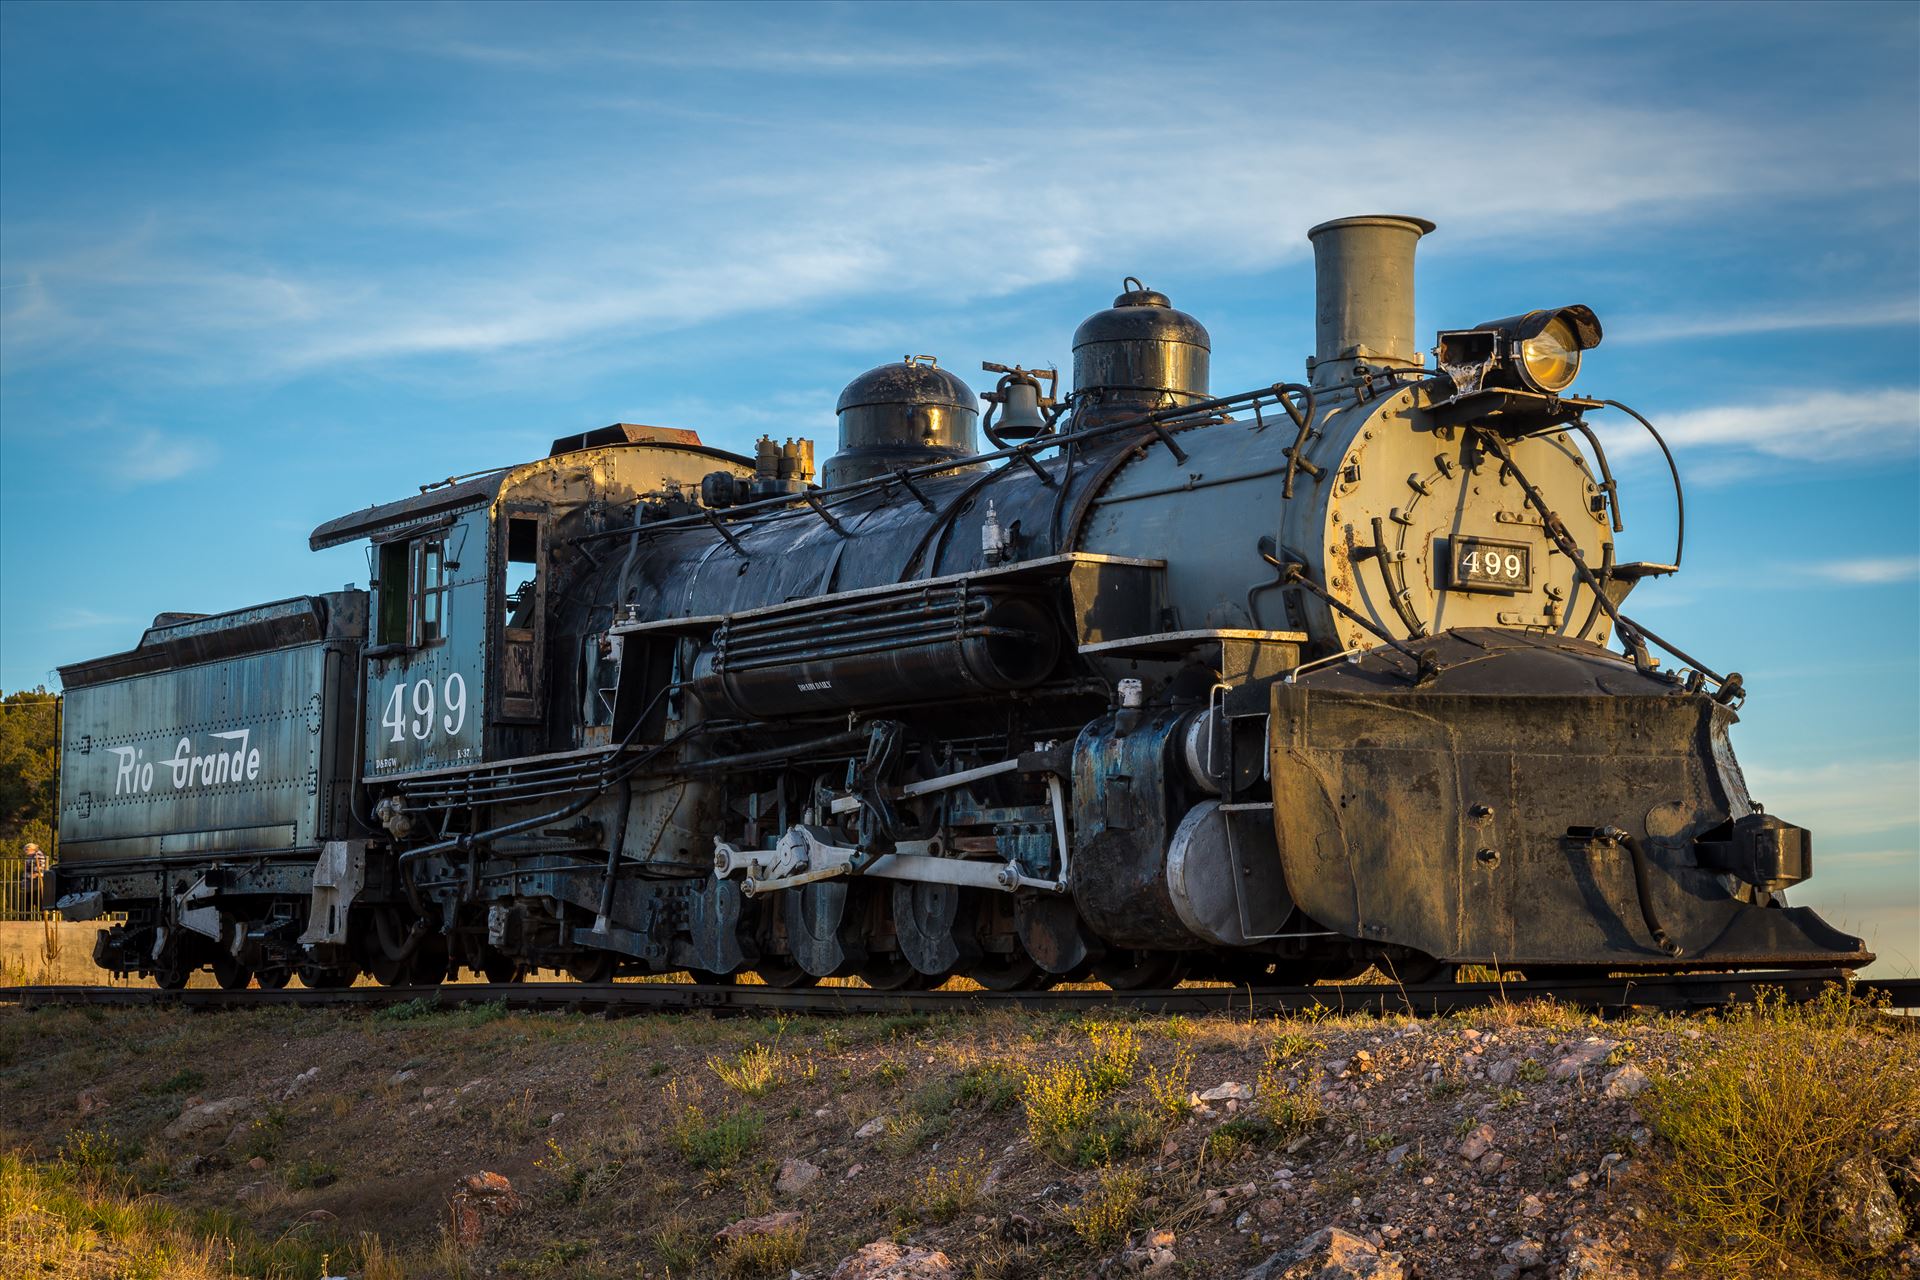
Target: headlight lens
1551, 358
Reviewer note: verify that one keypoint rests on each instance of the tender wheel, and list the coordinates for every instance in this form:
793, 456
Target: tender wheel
591, 966
784, 973
323, 977
389, 972
230, 973
1141, 970
500, 968
274, 978
390, 962
429, 965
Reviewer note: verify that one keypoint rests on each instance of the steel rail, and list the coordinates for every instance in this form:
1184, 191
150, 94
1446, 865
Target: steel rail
1670, 992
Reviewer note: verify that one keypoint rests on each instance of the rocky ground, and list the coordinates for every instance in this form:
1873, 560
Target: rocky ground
1510, 1144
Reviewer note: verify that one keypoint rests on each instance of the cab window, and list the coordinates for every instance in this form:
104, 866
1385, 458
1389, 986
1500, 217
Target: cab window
412, 584
429, 590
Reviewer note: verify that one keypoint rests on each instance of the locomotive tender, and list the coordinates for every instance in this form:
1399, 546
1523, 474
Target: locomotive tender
1265, 687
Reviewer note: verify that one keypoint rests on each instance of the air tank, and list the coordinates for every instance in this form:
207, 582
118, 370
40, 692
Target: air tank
1137, 356
909, 414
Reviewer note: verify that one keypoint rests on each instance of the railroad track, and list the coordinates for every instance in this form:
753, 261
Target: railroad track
1672, 992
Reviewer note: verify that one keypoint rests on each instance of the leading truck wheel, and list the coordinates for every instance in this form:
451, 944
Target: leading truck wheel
1417, 970
1141, 970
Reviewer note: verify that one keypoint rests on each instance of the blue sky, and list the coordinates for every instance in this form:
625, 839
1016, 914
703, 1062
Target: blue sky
260, 265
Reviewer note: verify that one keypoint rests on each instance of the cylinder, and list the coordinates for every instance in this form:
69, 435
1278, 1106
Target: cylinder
1137, 356
1363, 294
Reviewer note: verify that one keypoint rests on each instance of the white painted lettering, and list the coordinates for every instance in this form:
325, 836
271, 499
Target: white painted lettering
128, 777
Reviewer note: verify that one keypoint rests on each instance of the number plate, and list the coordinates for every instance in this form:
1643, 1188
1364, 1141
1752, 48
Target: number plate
1483, 565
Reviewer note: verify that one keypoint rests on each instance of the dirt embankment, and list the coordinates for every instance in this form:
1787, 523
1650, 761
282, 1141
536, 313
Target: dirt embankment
1524, 1142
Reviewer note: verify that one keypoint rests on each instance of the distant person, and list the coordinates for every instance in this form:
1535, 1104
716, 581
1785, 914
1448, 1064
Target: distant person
36, 859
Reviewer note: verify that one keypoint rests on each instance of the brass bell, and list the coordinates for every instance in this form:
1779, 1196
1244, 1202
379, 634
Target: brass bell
1020, 416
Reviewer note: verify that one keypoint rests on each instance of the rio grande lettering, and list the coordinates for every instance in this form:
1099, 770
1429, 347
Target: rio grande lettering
184, 769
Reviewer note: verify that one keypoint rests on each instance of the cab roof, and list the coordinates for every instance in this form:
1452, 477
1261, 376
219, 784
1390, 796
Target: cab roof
461, 492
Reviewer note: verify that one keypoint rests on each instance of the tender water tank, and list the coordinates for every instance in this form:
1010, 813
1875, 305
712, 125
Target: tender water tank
1137, 356
908, 414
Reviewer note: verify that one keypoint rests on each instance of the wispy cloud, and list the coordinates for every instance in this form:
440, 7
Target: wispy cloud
1729, 322
1868, 571
592, 236
82, 619
1843, 798
147, 456
1730, 442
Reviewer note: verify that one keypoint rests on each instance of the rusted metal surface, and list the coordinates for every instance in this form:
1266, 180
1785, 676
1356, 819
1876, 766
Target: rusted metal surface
1467, 817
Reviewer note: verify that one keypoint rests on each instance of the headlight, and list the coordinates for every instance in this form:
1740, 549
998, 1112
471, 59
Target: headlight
1537, 351
1550, 359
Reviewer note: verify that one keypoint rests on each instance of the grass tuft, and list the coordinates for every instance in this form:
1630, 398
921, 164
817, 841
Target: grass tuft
764, 1255
717, 1144
73, 1220
992, 1084
754, 1071
1290, 1109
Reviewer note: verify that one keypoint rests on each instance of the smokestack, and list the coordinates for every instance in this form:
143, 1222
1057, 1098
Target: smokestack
1363, 293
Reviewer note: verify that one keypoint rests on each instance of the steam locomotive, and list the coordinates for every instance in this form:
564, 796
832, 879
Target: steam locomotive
1269, 686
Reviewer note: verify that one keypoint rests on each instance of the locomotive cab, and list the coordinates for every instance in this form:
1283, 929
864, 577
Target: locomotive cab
469, 657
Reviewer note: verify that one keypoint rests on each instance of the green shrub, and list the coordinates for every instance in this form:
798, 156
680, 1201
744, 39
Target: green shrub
185, 1080
303, 1174
94, 1151
990, 1083
941, 1197
1068, 1116
1169, 1089
1239, 1134
1755, 1131
1289, 1109
717, 1144
1105, 1215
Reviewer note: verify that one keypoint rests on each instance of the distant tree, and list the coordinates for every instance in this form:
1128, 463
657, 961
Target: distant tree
29, 769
